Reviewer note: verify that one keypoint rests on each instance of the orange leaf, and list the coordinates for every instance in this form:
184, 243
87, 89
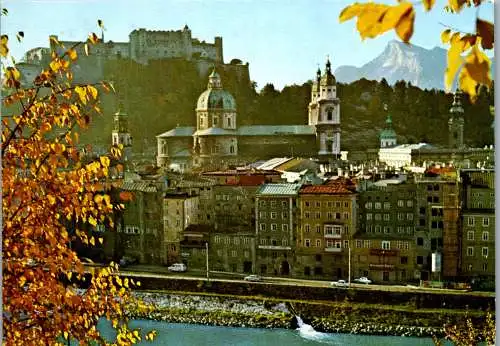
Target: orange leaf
404, 28
485, 30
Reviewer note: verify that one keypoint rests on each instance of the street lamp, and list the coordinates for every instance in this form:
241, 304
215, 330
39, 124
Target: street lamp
206, 258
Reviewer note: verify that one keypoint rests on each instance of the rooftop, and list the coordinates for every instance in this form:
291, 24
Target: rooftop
279, 189
179, 131
331, 189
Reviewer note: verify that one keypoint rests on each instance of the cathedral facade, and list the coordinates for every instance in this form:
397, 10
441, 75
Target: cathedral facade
218, 141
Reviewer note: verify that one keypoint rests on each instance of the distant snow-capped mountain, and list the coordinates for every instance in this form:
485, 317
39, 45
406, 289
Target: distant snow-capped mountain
422, 67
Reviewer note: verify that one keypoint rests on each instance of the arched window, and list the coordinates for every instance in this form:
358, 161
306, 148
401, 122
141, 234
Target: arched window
231, 149
228, 122
329, 114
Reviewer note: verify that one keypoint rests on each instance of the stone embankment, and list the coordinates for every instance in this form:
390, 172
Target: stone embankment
232, 312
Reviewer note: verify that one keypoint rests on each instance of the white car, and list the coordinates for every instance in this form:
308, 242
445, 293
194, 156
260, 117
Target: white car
340, 283
252, 277
177, 267
363, 280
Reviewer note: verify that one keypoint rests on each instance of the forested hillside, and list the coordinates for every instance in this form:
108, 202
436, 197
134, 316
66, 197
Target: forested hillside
163, 94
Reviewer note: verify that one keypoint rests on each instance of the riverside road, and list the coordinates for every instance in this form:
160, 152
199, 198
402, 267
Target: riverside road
145, 271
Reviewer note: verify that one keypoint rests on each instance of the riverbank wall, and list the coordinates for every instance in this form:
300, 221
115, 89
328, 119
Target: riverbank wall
273, 313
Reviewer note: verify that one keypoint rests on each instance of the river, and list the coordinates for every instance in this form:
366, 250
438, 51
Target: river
177, 334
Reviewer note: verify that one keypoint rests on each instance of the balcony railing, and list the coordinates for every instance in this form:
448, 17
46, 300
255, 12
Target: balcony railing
274, 247
333, 249
333, 236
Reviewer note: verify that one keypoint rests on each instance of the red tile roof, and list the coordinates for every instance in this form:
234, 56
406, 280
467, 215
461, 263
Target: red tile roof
331, 189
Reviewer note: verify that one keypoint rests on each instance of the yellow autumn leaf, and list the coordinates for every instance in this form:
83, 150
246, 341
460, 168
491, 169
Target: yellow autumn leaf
101, 240
4, 49
454, 61
350, 12
104, 161
98, 198
445, 36
82, 94
428, 4
404, 28
72, 54
92, 91
92, 221
456, 5
69, 275
22, 281
92, 241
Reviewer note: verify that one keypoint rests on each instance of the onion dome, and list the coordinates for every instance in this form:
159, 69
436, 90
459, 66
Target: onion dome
215, 97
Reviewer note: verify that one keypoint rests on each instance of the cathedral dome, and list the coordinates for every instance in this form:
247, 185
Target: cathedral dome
215, 97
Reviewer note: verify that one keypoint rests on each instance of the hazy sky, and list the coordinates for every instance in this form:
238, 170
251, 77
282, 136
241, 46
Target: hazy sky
282, 40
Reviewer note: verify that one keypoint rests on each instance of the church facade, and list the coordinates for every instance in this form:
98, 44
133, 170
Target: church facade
218, 141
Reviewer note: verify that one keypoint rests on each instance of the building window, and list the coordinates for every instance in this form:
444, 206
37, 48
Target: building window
470, 251
401, 216
284, 242
261, 203
486, 222
262, 241
485, 267
368, 205
284, 227
404, 260
307, 242
306, 203
346, 215
284, 204
274, 227
262, 214
307, 228
337, 204
470, 235
346, 204
387, 205
369, 216
401, 203
420, 259
401, 229
387, 229
274, 215
262, 226
409, 216
378, 229
378, 217
386, 245
338, 244
378, 205
367, 244
307, 215
284, 215
329, 215
469, 267
484, 251
409, 203
236, 241
369, 229
246, 253
318, 228
359, 243
409, 229
346, 244
387, 217
318, 215
318, 243
486, 236
273, 204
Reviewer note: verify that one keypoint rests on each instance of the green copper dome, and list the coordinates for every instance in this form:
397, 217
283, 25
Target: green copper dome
215, 97
388, 132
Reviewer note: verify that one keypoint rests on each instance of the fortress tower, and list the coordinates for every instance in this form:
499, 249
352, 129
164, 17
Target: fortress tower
456, 123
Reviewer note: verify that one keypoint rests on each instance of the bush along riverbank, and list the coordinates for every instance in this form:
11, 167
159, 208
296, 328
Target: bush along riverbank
265, 313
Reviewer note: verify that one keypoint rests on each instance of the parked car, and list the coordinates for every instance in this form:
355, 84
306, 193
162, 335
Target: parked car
363, 280
252, 277
177, 267
126, 261
340, 283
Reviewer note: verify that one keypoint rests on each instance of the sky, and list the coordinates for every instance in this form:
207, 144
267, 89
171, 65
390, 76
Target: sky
282, 40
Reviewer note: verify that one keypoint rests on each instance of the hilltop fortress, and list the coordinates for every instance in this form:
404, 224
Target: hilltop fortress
142, 47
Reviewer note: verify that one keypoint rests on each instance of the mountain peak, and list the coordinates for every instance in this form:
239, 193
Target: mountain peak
400, 61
